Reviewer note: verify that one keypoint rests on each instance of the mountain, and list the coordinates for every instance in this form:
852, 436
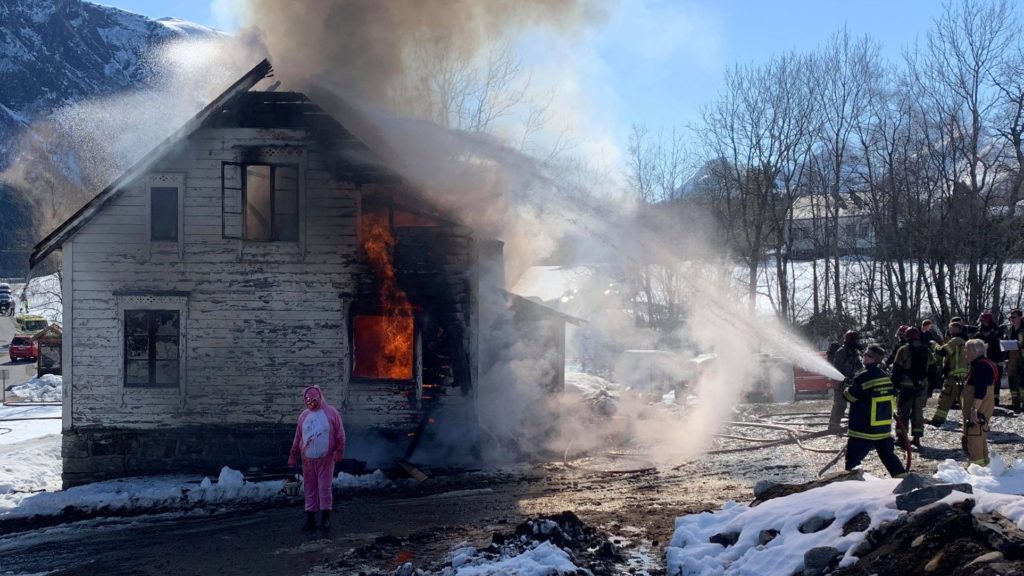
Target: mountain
58, 52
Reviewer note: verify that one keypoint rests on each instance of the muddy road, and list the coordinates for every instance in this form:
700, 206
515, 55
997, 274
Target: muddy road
374, 532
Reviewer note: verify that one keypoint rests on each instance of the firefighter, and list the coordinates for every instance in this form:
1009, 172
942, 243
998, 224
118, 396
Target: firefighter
910, 375
978, 400
930, 334
1014, 330
847, 361
992, 333
901, 339
954, 370
871, 409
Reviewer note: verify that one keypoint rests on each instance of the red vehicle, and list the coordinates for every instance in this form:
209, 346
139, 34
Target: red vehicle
810, 383
23, 348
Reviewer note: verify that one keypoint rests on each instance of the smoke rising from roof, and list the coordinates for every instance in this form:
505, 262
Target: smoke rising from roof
364, 50
360, 61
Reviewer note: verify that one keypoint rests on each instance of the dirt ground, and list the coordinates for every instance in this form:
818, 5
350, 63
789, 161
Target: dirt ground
375, 532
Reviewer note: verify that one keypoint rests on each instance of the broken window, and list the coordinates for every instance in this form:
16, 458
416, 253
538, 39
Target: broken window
152, 342
383, 347
260, 202
163, 214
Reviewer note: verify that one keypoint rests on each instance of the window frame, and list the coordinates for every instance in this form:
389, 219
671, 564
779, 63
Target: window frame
244, 199
151, 359
152, 302
165, 180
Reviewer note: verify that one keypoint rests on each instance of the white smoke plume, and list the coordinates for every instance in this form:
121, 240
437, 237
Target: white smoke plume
64, 159
356, 59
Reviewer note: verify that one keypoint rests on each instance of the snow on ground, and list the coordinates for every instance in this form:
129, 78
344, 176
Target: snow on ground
997, 488
20, 423
47, 388
690, 552
169, 492
30, 470
544, 559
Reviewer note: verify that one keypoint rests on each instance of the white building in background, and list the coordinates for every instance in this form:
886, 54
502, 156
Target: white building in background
811, 225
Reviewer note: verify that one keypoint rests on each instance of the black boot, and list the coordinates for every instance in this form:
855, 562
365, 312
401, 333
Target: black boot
310, 522
325, 519
916, 443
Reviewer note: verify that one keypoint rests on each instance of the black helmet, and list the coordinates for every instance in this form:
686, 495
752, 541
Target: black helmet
851, 337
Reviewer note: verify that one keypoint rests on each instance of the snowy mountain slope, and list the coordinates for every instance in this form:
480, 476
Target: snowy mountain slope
54, 52
59, 52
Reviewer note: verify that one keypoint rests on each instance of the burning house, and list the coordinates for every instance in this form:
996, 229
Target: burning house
260, 249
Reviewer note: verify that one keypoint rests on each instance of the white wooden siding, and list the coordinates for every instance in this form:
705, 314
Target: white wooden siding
263, 322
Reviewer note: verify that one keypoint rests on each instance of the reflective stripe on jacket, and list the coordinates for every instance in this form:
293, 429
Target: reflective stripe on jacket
872, 404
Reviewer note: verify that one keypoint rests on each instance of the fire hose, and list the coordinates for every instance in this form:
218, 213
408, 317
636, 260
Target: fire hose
796, 433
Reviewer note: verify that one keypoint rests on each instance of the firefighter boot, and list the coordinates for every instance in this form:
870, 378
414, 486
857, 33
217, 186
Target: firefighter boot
325, 519
916, 443
310, 522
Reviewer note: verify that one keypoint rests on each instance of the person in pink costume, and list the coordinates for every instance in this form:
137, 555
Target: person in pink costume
320, 440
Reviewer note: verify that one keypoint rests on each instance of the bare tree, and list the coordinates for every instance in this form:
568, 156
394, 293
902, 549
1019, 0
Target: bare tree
754, 135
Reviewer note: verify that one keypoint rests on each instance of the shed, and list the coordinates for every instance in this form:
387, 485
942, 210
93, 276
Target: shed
50, 341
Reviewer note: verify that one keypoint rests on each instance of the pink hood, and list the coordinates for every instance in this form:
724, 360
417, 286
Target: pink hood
336, 446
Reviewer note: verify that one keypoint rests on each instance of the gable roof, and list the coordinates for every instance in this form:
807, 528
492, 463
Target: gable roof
56, 238
237, 106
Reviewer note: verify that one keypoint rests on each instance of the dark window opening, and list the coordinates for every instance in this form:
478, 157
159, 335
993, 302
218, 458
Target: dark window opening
163, 214
151, 348
383, 347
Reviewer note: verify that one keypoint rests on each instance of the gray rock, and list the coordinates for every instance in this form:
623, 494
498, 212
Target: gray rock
816, 524
762, 487
925, 515
725, 538
404, 570
859, 523
923, 496
912, 482
862, 548
819, 560
767, 536
995, 556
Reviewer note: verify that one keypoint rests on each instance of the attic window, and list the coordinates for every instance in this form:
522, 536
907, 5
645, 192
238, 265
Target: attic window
163, 213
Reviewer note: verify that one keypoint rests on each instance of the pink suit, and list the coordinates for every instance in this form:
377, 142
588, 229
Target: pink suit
318, 471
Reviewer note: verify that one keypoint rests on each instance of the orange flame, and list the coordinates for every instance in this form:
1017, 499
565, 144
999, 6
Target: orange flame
384, 344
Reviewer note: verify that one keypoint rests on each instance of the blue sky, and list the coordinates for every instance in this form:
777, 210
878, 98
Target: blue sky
656, 62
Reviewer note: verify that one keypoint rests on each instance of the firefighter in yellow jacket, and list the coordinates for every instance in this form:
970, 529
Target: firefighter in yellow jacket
954, 370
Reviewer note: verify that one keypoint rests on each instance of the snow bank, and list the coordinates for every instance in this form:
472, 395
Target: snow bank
47, 388
28, 466
690, 552
148, 493
544, 559
364, 482
997, 488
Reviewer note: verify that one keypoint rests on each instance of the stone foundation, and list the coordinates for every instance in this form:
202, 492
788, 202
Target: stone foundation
93, 454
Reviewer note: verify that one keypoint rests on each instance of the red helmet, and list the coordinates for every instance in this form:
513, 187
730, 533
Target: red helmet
901, 333
912, 333
986, 317
851, 337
